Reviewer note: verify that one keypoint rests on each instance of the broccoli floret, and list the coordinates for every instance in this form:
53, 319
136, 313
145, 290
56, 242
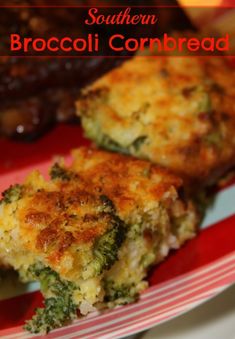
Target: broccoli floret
107, 204
106, 247
57, 312
59, 306
108, 143
58, 172
105, 250
137, 143
12, 194
213, 139
120, 294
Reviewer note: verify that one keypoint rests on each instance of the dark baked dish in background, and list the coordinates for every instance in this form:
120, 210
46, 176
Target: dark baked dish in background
35, 93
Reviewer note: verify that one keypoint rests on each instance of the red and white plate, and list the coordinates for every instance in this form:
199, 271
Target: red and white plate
203, 268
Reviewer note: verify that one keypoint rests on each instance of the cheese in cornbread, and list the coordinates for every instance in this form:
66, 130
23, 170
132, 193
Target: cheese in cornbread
90, 233
175, 111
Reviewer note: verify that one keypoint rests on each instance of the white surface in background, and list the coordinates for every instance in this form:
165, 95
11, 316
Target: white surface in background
223, 207
213, 320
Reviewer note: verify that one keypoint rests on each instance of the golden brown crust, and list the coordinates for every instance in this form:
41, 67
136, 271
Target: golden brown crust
182, 107
59, 222
127, 181
58, 219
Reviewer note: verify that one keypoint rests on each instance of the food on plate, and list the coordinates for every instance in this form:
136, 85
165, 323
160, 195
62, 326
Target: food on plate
90, 233
178, 112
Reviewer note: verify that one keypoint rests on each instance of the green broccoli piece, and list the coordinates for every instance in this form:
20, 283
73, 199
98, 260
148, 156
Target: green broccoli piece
213, 139
59, 306
107, 143
107, 204
105, 249
121, 294
205, 104
12, 194
57, 312
137, 143
58, 172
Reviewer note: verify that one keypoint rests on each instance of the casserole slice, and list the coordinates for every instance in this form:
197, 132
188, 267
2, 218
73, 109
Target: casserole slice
90, 233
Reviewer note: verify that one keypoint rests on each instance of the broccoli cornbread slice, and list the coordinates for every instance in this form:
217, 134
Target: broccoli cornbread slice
178, 112
90, 233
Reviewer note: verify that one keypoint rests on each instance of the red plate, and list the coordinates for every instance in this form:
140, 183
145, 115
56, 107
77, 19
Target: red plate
201, 269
